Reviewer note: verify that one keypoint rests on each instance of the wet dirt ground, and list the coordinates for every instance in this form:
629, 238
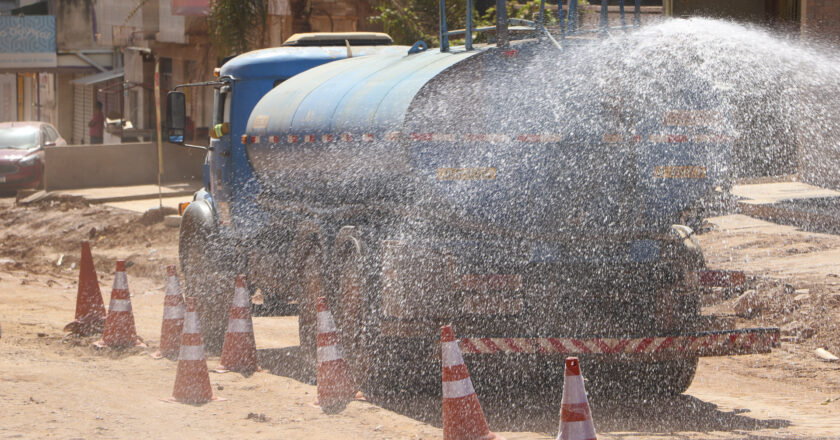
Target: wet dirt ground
57, 387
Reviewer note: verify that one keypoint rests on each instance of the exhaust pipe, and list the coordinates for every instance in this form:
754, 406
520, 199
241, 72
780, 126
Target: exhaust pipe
502, 38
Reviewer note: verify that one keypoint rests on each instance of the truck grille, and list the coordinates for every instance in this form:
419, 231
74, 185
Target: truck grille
7, 168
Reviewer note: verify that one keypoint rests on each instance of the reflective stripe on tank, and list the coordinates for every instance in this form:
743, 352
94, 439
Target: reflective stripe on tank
395, 136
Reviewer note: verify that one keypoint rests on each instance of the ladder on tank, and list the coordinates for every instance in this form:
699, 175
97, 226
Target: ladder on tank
569, 23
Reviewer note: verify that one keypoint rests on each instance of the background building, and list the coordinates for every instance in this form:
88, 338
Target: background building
818, 19
105, 50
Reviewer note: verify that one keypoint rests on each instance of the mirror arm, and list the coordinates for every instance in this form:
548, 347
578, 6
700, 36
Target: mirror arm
200, 84
198, 147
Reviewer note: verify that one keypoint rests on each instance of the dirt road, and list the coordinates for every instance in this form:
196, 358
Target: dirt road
55, 387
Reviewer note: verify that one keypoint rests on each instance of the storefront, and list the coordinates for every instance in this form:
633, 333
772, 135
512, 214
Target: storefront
28, 60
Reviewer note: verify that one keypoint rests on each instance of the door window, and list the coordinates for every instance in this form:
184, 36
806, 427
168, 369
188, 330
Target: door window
221, 111
51, 133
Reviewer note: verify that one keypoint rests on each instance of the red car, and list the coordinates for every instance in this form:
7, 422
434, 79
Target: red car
22, 153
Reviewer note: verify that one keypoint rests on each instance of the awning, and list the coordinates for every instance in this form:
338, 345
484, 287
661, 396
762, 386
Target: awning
99, 77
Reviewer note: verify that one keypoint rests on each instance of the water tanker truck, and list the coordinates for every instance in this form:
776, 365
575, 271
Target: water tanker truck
415, 188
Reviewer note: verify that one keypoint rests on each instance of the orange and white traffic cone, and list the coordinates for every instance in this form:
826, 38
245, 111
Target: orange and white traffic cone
239, 351
463, 418
173, 317
335, 385
119, 325
192, 381
575, 416
90, 310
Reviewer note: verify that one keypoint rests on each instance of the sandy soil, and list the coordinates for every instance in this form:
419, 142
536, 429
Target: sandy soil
57, 387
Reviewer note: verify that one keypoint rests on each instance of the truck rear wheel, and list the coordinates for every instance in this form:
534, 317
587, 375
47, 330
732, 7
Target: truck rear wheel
311, 286
350, 305
641, 379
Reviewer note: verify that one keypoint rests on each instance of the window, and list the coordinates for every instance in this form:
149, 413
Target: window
52, 135
221, 109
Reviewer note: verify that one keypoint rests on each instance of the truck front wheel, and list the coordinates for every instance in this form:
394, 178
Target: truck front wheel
207, 267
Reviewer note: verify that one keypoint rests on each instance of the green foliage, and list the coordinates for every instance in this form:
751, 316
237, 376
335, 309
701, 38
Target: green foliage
410, 20
237, 26
526, 11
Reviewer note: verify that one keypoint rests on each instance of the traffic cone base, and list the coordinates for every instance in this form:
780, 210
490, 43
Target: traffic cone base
239, 351
463, 418
336, 387
90, 309
138, 342
168, 328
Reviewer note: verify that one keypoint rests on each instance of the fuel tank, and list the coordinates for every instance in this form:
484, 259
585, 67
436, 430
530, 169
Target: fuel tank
525, 139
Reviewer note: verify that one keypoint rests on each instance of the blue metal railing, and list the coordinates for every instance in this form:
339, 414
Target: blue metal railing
569, 23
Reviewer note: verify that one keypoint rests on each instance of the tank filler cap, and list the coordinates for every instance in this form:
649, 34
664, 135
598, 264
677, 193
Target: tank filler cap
418, 47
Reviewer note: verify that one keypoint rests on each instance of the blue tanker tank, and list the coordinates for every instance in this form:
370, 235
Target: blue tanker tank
538, 201
463, 135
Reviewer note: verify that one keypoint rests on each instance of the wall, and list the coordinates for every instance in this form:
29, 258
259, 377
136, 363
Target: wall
73, 24
752, 10
87, 166
115, 18
821, 19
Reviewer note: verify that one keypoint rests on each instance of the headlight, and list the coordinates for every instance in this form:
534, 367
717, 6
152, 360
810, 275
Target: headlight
29, 161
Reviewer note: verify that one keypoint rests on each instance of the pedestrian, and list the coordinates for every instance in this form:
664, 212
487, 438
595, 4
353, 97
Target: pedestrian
97, 124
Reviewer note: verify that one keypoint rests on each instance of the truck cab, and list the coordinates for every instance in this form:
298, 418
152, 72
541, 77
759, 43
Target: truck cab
223, 211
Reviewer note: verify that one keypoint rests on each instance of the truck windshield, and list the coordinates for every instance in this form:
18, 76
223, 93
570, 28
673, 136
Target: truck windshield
18, 138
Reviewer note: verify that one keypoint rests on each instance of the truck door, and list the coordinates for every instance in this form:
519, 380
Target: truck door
219, 160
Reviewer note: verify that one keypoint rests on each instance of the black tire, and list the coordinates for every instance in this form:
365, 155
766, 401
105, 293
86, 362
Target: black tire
641, 379
208, 270
349, 301
274, 305
382, 366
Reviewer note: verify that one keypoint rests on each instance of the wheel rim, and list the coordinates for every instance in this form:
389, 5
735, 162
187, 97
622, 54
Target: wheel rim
312, 286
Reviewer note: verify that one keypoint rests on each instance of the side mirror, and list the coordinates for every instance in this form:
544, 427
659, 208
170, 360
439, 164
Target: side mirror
176, 115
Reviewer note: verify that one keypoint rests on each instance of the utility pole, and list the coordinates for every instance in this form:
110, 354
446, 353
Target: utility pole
159, 135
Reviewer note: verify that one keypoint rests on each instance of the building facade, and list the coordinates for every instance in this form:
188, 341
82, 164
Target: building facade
106, 51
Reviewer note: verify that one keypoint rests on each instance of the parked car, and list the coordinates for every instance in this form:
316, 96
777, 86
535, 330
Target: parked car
22, 153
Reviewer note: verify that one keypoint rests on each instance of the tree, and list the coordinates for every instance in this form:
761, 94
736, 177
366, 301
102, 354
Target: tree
237, 26
407, 21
